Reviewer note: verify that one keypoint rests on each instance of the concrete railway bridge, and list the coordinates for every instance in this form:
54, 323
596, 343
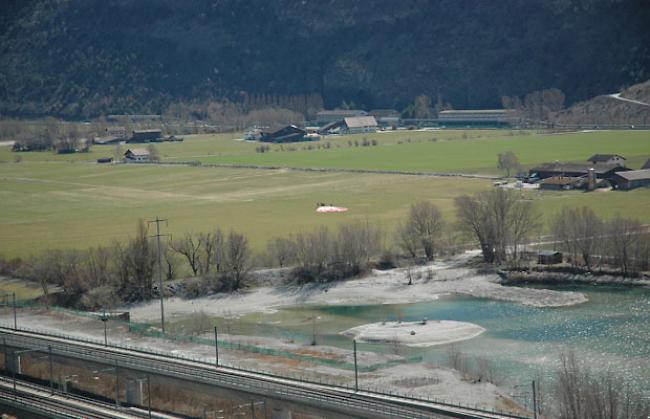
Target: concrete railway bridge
279, 396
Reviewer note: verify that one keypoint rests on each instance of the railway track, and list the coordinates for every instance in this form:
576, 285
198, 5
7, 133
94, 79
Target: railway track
327, 397
37, 399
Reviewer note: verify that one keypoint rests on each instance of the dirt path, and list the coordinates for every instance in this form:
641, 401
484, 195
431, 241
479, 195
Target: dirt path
618, 96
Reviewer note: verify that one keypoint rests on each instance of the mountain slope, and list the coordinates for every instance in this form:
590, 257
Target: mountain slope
627, 108
88, 57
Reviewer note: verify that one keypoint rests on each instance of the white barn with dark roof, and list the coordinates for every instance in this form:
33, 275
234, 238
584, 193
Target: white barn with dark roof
607, 159
137, 154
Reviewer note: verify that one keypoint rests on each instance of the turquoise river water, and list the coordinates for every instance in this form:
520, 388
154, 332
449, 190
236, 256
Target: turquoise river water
610, 333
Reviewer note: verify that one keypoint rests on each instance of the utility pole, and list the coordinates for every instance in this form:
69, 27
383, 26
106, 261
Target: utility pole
49, 352
149, 394
104, 320
160, 280
356, 372
534, 401
15, 318
216, 347
117, 386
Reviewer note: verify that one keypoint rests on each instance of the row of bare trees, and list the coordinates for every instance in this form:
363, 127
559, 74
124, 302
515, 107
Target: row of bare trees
44, 135
225, 258
577, 392
234, 115
105, 276
620, 242
326, 255
101, 276
501, 221
422, 231
536, 106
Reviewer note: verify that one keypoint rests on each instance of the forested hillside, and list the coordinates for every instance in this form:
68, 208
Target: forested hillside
83, 58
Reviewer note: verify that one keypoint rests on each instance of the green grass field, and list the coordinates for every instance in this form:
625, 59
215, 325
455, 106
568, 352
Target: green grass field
76, 205
451, 154
468, 151
50, 201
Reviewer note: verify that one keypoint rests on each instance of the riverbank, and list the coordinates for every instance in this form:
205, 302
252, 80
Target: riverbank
553, 278
429, 282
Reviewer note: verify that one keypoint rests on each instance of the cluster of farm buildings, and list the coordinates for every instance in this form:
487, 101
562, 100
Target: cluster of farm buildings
119, 135
600, 171
355, 121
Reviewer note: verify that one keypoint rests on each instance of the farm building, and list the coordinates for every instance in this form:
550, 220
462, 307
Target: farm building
607, 159
133, 118
115, 131
386, 117
633, 179
253, 134
335, 127
286, 134
137, 154
326, 117
560, 183
481, 117
549, 257
107, 140
145, 136
602, 171
358, 124
352, 125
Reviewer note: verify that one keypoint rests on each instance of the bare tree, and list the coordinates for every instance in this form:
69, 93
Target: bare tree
170, 263
507, 161
407, 239
118, 152
498, 220
282, 251
154, 155
474, 219
524, 220
623, 238
562, 233
314, 250
141, 264
580, 231
97, 266
190, 247
218, 250
501, 204
426, 223
355, 244
238, 256
422, 107
581, 394
68, 140
206, 256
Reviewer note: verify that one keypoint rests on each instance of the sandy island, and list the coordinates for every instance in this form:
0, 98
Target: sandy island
417, 334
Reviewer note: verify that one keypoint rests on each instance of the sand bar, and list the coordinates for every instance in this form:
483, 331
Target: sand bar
417, 334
